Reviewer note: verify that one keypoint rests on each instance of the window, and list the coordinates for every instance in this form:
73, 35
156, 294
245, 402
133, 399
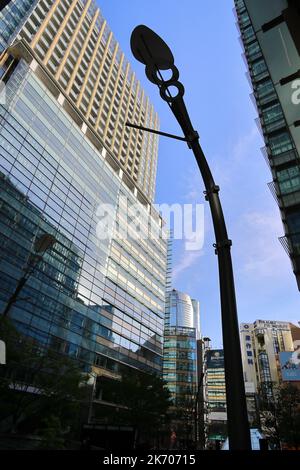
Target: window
280, 143
272, 113
259, 67
249, 33
264, 88
293, 222
289, 179
253, 49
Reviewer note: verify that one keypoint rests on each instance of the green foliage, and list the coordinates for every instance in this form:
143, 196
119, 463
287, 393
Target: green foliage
141, 400
280, 415
52, 434
38, 386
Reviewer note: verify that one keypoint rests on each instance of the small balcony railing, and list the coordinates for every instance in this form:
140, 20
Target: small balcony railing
265, 154
282, 158
291, 244
284, 199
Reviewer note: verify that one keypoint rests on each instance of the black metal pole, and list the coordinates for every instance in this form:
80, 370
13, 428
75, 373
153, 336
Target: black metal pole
197, 413
32, 263
14, 296
237, 417
151, 50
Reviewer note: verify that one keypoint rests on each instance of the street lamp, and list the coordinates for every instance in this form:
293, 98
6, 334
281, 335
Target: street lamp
41, 245
149, 49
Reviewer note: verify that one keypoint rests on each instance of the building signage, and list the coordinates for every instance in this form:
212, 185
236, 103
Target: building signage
290, 365
271, 323
215, 359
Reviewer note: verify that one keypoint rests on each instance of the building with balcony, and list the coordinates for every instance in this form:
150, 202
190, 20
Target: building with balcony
271, 42
261, 344
72, 42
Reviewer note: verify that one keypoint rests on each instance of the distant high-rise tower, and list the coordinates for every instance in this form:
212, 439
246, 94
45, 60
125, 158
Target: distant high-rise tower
180, 361
184, 311
271, 40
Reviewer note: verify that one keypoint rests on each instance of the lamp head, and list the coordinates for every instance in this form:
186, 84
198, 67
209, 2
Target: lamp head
150, 49
44, 242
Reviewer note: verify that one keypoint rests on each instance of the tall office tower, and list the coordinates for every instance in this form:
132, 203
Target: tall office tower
270, 35
72, 43
97, 294
215, 394
184, 312
261, 344
180, 371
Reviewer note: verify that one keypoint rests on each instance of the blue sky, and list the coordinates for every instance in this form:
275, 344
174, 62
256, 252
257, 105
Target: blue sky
204, 40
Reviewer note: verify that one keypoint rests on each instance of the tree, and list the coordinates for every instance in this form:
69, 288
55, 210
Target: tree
140, 400
289, 415
183, 416
38, 386
148, 401
280, 415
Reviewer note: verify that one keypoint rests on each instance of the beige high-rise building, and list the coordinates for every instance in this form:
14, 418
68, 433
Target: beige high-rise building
261, 343
71, 39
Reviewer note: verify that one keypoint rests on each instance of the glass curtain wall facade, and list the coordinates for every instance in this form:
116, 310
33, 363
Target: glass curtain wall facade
12, 17
272, 56
180, 346
184, 311
99, 299
74, 43
180, 360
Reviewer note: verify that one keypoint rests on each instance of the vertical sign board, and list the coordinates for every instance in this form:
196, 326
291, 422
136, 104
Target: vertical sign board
215, 359
290, 365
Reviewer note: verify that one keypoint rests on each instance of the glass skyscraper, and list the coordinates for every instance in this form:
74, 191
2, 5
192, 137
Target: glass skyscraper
180, 360
270, 37
99, 299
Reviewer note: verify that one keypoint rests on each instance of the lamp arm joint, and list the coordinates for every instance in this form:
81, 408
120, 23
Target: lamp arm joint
214, 190
220, 245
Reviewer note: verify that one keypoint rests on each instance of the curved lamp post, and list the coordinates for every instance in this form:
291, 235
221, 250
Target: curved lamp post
41, 245
148, 48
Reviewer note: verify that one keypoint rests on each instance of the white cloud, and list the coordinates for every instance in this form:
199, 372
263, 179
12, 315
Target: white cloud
259, 247
186, 261
193, 186
238, 157
243, 148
